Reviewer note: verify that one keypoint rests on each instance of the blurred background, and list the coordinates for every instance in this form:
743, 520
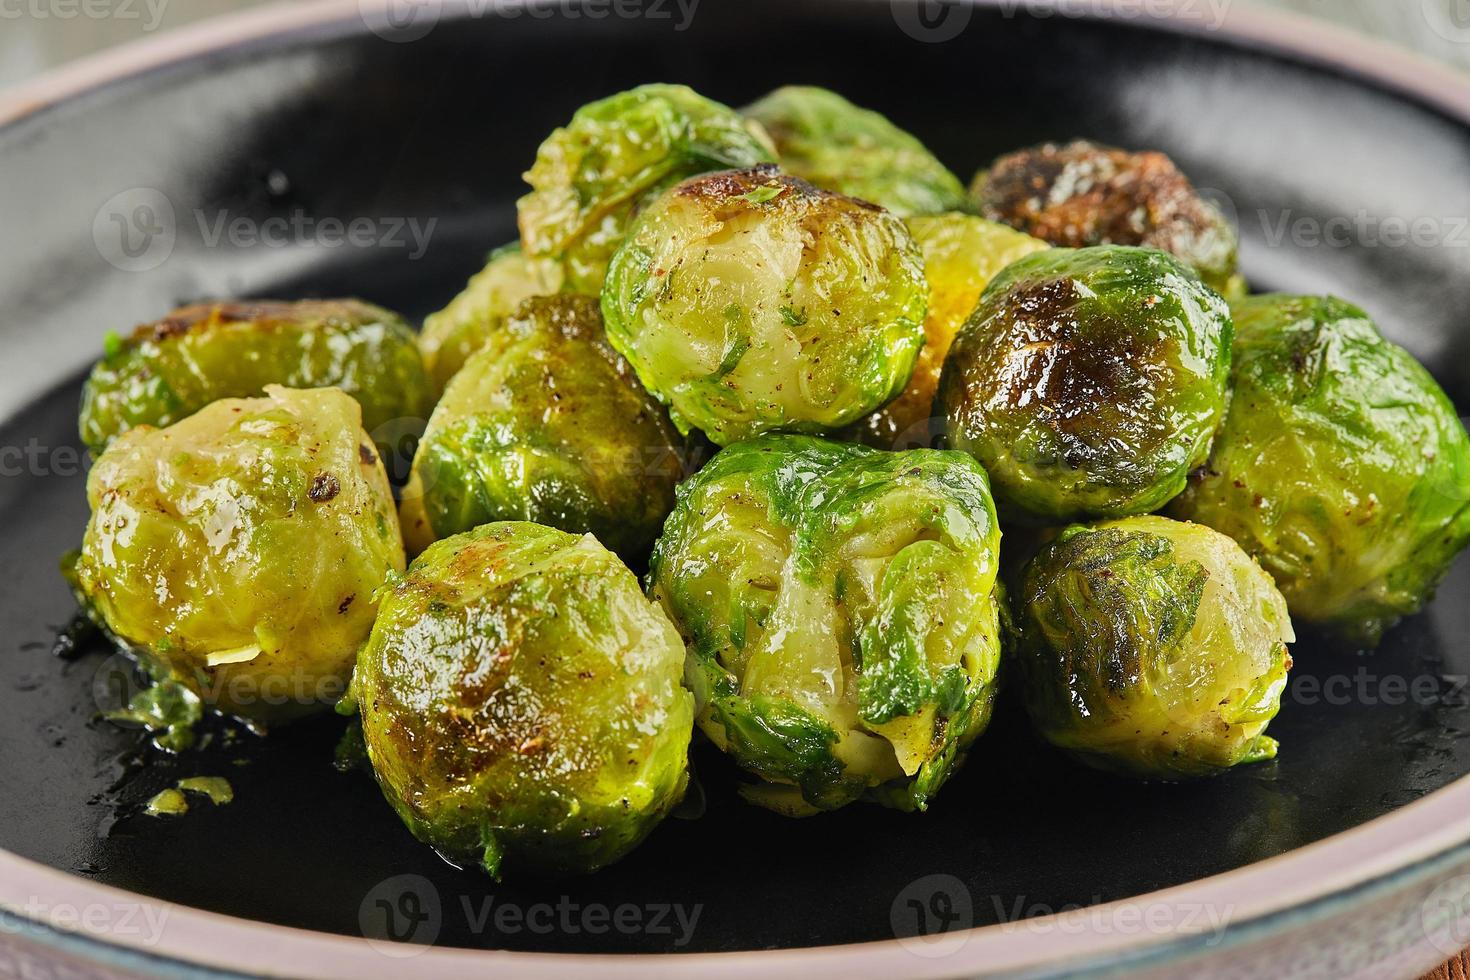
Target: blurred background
39, 34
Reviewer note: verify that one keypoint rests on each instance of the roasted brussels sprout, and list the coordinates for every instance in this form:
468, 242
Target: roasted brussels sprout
199, 354
823, 138
521, 703
841, 607
1085, 194
548, 424
239, 549
1089, 382
592, 176
1341, 466
961, 255
454, 333
1152, 647
749, 301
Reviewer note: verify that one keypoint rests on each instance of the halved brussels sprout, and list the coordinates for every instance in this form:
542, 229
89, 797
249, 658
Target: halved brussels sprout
592, 176
1342, 466
823, 138
199, 354
1089, 382
239, 549
962, 254
749, 302
548, 424
841, 607
1152, 648
454, 333
521, 703
1085, 194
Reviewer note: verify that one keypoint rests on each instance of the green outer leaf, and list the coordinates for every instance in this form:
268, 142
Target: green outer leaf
197, 355
798, 314
1151, 647
1342, 467
521, 703
592, 176
899, 549
1088, 382
823, 138
546, 424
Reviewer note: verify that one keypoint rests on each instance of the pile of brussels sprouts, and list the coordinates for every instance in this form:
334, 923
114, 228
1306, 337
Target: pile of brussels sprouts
783, 364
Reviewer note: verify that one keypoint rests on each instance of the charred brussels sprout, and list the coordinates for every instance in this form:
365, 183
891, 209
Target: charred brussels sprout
1084, 194
592, 176
1089, 382
548, 424
1152, 648
1341, 466
199, 354
823, 138
841, 607
521, 703
239, 549
962, 254
454, 333
750, 301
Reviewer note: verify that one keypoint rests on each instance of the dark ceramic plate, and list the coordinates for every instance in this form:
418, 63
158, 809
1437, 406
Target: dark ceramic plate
124, 188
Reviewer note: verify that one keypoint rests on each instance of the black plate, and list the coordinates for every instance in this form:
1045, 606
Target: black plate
345, 124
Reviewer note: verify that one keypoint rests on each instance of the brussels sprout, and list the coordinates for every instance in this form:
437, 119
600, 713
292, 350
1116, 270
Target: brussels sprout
961, 255
238, 550
749, 302
521, 703
1089, 382
1341, 466
454, 333
841, 607
591, 177
199, 354
547, 424
1152, 648
823, 138
1085, 194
